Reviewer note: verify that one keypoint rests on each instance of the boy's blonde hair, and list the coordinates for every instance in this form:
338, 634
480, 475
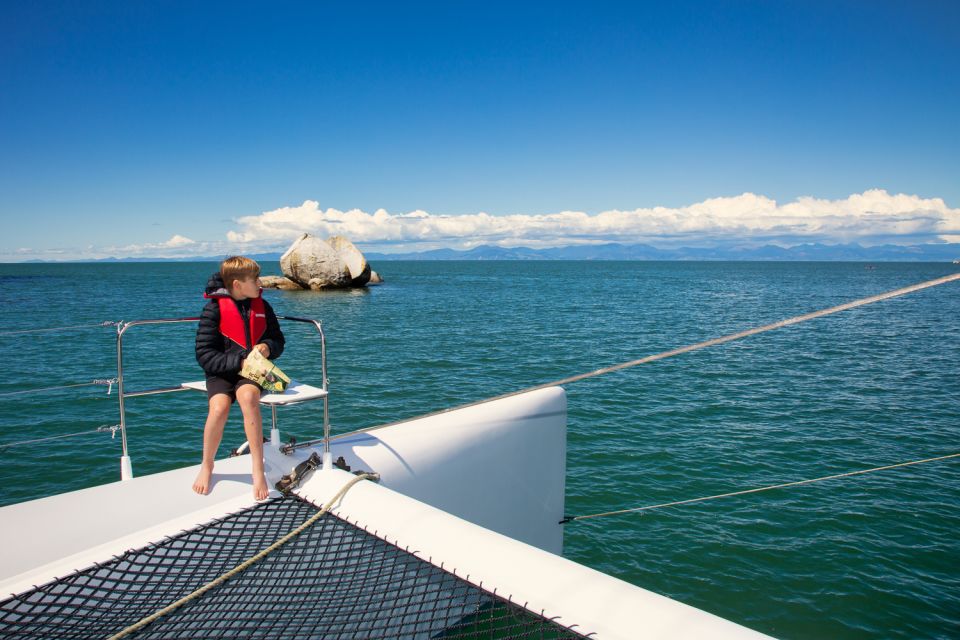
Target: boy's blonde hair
238, 268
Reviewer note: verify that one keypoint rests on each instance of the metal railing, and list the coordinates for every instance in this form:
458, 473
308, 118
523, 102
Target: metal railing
126, 468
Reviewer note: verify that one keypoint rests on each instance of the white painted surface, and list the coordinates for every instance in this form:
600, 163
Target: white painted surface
73, 530
501, 465
577, 596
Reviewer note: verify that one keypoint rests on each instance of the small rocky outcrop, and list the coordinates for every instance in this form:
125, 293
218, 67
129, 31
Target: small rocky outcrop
278, 282
312, 263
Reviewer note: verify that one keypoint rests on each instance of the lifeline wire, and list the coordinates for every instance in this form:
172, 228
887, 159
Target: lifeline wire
674, 352
757, 490
105, 323
246, 563
103, 382
103, 429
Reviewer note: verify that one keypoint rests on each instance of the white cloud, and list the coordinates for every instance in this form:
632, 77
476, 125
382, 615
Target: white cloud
177, 246
178, 241
868, 218
872, 217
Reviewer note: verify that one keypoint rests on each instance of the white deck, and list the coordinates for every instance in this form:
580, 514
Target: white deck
453, 461
73, 530
499, 466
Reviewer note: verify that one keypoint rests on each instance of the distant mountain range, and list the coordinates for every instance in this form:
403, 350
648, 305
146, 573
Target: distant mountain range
266, 257
614, 251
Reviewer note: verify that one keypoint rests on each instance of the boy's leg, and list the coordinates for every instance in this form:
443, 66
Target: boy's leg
248, 397
212, 434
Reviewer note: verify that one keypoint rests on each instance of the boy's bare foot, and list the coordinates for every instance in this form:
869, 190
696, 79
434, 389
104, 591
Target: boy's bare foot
260, 490
202, 484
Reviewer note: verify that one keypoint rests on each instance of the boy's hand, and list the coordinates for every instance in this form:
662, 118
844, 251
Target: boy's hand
264, 349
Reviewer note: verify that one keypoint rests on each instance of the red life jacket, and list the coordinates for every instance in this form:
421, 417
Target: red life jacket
231, 322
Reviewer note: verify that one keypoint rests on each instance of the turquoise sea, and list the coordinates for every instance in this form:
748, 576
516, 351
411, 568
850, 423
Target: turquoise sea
873, 556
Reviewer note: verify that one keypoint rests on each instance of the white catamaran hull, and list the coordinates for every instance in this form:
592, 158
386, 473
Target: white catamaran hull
478, 490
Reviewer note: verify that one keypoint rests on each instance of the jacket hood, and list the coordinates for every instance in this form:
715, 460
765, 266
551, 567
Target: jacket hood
215, 287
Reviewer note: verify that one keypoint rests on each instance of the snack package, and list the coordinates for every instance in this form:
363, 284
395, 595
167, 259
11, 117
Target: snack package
266, 374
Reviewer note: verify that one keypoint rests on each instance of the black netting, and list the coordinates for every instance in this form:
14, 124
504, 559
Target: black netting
334, 580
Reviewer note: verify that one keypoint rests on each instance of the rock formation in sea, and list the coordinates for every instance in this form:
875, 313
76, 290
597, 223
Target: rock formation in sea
313, 263
279, 282
356, 264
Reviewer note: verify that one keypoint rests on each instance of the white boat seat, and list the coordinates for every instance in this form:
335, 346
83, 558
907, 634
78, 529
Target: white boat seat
295, 393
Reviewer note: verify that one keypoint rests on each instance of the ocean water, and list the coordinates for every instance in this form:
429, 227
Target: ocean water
874, 556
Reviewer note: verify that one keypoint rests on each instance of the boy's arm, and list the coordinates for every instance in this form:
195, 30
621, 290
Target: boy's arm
210, 353
273, 336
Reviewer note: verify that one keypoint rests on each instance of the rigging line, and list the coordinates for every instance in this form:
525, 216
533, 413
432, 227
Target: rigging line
246, 563
674, 352
103, 382
105, 323
757, 490
111, 428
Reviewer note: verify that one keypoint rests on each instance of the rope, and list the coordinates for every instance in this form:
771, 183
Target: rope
674, 352
105, 323
746, 491
107, 382
246, 563
103, 429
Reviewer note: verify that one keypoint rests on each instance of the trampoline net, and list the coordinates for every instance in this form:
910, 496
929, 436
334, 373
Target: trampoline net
334, 580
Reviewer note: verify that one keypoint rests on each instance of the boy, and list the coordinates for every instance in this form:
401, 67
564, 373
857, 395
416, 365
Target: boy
235, 321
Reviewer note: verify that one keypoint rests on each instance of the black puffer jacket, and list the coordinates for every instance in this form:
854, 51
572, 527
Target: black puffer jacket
218, 354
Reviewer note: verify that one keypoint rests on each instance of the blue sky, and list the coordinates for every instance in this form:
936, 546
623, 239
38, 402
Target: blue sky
147, 127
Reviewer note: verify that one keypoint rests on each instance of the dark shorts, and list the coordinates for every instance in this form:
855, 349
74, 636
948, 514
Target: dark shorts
226, 385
